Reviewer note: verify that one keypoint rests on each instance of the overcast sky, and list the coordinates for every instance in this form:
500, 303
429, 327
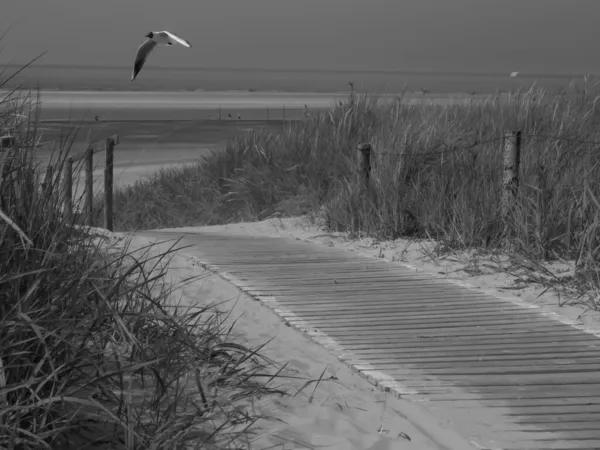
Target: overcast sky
553, 36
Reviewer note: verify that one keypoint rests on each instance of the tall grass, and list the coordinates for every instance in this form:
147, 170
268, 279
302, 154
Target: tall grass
446, 186
93, 350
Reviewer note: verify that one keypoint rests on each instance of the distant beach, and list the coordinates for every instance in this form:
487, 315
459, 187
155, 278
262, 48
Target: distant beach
250, 80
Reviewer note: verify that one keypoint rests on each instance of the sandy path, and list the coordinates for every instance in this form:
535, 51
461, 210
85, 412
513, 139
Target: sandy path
477, 269
349, 414
345, 411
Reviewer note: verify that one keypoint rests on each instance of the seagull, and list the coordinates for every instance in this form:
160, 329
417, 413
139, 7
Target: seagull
154, 38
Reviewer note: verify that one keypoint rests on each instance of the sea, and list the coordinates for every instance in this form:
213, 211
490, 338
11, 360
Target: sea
73, 77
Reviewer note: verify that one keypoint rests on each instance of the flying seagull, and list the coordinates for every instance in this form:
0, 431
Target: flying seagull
154, 38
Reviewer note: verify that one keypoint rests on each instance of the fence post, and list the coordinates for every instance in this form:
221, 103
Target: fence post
364, 161
47, 183
512, 160
89, 185
108, 183
283, 112
68, 186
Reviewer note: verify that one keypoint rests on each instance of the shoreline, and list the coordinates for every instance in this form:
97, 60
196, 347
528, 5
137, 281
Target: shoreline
254, 92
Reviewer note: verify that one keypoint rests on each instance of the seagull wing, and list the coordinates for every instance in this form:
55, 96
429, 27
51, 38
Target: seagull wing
140, 58
178, 39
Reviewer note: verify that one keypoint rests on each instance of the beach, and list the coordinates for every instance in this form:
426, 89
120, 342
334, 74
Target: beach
161, 130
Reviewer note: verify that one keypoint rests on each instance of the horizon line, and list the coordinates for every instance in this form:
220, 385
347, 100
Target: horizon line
305, 70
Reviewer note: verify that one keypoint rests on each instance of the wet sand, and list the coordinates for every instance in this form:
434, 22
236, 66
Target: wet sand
201, 105
166, 129
144, 146
112, 105
161, 129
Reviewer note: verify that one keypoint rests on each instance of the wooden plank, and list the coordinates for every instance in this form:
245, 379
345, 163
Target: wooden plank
283, 265
360, 297
549, 334
554, 336
554, 444
568, 426
391, 312
567, 390
396, 290
489, 397
389, 331
542, 379
483, 368
341, 264
421, 364
544, 410
358, 322
262, 272
370, 356
558, 418
360, 280
342, 330
345, 307
513, 348
401, 318
524, 402
380, 276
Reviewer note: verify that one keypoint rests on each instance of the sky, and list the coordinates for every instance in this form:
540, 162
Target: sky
540, 36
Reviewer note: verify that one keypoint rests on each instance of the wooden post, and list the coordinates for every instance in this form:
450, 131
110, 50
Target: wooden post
283, 112
219, 113
108, 184
48, 178
267, 113
89, 185
68, 186
364, 161
512, 159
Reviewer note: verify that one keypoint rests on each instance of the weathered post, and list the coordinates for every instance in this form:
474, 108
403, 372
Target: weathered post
7, 142
47, 183
68, 186
283, 112
512, 159
364, 162
108, 182
89, 185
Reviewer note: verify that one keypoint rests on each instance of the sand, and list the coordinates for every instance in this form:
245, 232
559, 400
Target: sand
145, 146
346, 411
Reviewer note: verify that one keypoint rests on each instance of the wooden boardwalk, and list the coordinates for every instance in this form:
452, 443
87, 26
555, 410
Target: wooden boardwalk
503, 374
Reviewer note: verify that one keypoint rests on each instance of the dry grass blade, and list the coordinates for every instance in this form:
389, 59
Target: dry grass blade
14, 226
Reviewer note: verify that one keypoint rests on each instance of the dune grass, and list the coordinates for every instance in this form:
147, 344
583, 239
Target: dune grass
94, 351
436, 173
